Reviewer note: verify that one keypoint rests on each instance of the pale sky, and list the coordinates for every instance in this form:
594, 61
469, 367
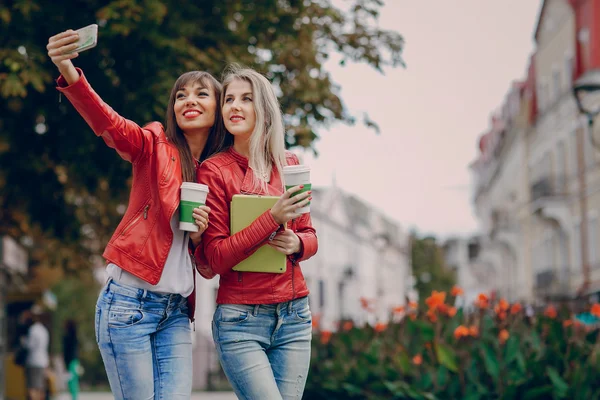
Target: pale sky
461, 56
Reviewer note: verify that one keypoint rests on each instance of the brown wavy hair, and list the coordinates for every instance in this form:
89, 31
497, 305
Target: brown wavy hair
218, 138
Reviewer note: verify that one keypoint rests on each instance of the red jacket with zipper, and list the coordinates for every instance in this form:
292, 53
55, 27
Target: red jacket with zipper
141, 242
227, 174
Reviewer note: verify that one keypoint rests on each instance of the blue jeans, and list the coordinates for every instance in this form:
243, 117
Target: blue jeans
264, 349
145, 342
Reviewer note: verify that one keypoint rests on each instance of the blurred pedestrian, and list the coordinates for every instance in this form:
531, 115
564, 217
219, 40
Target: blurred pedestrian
142, 325
262, 325
70, 357
37, 344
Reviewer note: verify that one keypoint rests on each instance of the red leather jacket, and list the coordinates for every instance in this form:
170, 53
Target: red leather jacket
141, 242
226, 174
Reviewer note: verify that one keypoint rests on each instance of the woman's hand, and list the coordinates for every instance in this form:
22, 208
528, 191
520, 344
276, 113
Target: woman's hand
200, 215
286, 242
59, 48
286, 206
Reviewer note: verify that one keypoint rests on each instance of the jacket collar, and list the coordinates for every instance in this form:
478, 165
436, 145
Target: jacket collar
248, 181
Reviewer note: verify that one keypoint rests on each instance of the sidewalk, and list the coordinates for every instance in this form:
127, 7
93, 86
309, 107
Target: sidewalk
195, 396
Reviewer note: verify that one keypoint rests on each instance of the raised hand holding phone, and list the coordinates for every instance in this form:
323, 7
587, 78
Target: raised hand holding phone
88, 38
60, 49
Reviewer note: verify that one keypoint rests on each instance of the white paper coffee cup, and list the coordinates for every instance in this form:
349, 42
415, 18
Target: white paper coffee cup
294, 175
192, 195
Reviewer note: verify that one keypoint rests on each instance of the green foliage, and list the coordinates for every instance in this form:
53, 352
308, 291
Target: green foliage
458, 357
62, 186
429, 267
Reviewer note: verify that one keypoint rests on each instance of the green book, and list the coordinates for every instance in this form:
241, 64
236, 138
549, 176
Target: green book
244, 210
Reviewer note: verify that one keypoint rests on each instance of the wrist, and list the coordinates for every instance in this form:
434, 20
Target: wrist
275, 218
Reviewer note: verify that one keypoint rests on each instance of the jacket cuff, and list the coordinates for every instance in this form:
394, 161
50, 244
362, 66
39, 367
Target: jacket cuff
307, 249
63, 86
265, 226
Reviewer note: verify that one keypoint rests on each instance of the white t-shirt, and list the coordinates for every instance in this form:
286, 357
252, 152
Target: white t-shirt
37, 343
178, 274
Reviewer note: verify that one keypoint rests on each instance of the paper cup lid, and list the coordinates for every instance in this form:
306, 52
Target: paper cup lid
194, 186
295, 169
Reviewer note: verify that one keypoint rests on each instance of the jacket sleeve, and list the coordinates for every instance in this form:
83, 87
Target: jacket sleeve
200, 261
304, 229
308, 238
221, 250
125, 136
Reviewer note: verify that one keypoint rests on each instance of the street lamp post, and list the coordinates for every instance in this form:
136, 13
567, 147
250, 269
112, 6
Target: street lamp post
586, 91
587, 95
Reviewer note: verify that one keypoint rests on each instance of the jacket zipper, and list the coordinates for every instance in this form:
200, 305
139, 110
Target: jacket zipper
294, 262
168, 171
136, 219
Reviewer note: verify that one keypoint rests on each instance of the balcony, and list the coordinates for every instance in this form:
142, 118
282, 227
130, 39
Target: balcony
549, 187
551, 283
549, 199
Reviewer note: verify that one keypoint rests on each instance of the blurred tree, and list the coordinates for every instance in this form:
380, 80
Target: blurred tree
429, 266
61, 187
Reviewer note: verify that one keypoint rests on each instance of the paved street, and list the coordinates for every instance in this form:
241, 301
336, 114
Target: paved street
195, 396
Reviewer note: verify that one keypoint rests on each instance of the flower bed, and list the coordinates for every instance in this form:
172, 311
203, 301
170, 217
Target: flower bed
494, 352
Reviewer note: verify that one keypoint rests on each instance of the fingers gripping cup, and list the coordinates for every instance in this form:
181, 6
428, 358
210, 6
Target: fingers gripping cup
192, 195
295, 175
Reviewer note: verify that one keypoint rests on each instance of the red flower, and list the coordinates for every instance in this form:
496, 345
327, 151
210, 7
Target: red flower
482, 301
366, 304
516, 308
550, 312
435, 300
398, 309
503, 336
457, 291
417, 360
347, 325
316, 320
461, 331
325, 337
380, 327
474, 330
595, 310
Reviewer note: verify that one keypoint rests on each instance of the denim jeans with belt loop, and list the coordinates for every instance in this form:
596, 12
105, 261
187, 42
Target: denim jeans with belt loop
145, 342
264, 349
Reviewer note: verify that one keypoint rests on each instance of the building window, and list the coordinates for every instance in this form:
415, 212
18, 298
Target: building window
321, 294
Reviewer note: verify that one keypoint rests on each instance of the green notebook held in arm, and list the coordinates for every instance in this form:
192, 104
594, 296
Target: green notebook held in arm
244, 210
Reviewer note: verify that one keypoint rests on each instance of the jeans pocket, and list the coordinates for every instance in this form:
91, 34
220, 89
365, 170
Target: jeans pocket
303, 313
124, 318
226, 314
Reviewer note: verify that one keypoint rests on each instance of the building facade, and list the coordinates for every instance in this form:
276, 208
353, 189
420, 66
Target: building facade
537, 174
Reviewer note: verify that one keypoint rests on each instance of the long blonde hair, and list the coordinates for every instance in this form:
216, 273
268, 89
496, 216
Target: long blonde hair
267, 142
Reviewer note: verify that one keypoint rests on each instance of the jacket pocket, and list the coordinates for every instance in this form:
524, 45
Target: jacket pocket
168, 173
142, 215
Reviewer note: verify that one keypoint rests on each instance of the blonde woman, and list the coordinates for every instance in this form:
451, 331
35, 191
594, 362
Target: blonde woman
262, 324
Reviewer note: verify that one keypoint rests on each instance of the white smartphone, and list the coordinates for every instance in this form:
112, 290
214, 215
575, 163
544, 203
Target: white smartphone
88, 38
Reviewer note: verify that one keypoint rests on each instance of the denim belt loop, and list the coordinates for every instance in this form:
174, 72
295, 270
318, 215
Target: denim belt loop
143, 294
107, 286
290, 306
255, 311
